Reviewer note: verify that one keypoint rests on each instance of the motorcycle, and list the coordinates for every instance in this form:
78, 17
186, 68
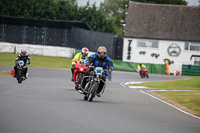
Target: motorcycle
20, 74
144, 72
93, 83
79, 71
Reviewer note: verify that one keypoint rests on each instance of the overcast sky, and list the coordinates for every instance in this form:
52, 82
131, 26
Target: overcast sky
193, 2
84, 2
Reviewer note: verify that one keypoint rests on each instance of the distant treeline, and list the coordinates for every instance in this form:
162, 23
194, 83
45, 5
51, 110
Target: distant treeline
105, 18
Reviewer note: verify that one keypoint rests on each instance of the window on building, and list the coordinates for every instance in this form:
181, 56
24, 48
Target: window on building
192, 46
197, 61
147, 43
186, 45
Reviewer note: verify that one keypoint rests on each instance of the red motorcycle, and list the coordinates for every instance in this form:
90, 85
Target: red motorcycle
144, 72
79, 71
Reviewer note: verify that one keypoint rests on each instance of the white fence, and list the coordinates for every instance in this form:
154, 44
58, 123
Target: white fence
38, 49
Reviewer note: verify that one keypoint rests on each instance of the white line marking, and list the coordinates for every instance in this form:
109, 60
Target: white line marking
122, 84
137, 87
170, 104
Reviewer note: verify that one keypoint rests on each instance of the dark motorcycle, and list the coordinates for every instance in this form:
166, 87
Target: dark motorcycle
93, 83
144, 72
21, 69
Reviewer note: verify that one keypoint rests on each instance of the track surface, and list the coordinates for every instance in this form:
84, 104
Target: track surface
48, 103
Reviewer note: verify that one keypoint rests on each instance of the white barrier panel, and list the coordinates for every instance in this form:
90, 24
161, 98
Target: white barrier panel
7, 47
65, 52
20, 47
91, 53
49, 51
38, 50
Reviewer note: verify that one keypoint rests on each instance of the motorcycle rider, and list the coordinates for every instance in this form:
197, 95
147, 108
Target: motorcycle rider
22, 56
140, 66
79, 56
100, 59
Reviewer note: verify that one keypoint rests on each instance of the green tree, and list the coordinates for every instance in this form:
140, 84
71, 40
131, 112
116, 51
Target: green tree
96, 18
66, 10
59, 10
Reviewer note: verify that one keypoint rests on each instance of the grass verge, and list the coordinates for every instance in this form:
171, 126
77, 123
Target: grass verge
7, 59
186, 100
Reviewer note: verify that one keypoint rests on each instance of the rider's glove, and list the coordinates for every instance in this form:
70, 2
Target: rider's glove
29, 63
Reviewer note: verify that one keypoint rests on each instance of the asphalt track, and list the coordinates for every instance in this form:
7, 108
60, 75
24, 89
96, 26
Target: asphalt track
48, 103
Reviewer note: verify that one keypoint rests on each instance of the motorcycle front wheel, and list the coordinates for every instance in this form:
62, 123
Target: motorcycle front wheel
93, 91
79, 79
147, 75
19, 76
86, 97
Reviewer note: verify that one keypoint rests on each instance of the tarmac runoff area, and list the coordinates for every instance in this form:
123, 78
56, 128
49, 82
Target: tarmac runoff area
125, 84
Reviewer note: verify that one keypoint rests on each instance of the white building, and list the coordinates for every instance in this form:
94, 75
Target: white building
155, 32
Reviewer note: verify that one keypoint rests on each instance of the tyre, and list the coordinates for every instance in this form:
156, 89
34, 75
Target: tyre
19, 76
147, 75
85, 98
76, 88
93, 91
19, 80
80, 77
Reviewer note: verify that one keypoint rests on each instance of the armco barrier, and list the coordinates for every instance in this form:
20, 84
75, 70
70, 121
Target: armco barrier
130, 66
191, 70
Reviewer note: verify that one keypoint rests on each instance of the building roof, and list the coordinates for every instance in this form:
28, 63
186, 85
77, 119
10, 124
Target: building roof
165, 22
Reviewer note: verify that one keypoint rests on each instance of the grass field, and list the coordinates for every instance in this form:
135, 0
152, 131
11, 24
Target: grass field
7, 59
189, 101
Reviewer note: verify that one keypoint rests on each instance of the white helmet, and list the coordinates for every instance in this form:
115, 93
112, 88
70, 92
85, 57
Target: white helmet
23, 52
84, 51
